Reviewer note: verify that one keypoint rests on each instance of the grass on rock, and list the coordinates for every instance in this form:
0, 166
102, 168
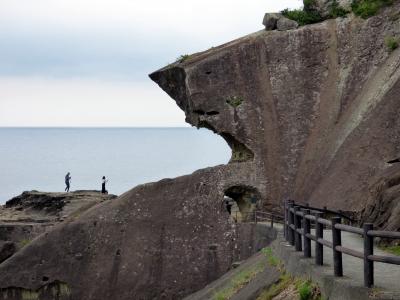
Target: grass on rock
368, 8
391, 249
392, 43
238, 282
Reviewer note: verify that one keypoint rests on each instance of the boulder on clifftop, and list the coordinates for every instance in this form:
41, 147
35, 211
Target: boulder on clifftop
270, 20
286, 24
274, 21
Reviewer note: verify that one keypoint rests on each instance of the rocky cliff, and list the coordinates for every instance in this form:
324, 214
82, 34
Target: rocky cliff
313, 111
310, 114
30, 214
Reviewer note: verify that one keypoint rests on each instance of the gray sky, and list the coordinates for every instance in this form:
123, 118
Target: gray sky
85, 62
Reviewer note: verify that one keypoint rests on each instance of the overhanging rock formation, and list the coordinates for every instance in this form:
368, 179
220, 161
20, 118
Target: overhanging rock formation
311, 113
315, 110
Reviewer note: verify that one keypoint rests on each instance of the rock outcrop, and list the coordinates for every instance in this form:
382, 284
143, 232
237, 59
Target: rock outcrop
274, 21
310, 114
33, 213
324, 6
43, 207
162, 240
383, 203
318, 106
7, 249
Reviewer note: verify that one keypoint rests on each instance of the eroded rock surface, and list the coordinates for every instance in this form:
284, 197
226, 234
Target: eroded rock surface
383, 203
42, 207
310, 114
33, 213
318, 106
7, 249
162, 240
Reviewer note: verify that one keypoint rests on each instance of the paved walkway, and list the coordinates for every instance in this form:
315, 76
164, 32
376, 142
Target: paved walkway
387, 276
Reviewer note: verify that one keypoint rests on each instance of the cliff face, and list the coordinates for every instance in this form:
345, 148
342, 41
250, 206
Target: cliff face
163, 240
313, 112
30, 214
310, 114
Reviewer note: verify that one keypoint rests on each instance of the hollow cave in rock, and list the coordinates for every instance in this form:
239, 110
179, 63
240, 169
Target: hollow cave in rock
243, 201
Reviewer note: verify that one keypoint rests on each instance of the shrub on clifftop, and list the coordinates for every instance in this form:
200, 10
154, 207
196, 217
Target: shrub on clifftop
369, 8
313, 13
308, 15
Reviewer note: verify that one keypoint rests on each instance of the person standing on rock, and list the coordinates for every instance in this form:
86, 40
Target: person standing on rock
67, 181
103, 185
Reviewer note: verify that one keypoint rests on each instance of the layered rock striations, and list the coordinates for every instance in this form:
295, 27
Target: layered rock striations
317, 106
310, 114
162, 240
33, 213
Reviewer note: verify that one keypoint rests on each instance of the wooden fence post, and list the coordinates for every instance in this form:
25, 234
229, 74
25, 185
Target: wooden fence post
291, 222
272, 221
307, 229
297, 225
368, 250
337, 241
285, 228
319, 233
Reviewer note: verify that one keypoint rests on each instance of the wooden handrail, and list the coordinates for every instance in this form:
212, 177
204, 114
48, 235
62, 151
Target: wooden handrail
297, 227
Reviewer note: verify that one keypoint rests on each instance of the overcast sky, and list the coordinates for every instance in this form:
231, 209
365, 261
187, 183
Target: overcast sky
85, 62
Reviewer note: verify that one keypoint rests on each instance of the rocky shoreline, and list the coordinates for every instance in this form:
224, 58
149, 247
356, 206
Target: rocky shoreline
33, 213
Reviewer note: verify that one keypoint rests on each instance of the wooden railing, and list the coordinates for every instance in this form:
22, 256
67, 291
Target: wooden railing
259, 216
297, 231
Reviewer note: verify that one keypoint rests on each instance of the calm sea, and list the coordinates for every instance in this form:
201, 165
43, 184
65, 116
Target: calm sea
39, 158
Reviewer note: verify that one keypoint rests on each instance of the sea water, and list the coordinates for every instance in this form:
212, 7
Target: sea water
39, 158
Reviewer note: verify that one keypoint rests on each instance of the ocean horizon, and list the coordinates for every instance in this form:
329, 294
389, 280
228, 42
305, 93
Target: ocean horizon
37, 158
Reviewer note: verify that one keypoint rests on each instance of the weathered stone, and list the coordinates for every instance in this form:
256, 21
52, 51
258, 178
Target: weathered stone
286, 24
7, 249
270, 20
32, 213
153, 242
324, 6
383, 202
315, 117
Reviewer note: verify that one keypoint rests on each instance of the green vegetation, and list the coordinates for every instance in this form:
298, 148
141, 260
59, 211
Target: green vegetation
305, 290
183, 58
392, 43
241, 153
336, 11
309, 14
308, 290
302, 16
283, 283
22, 243
234, 101
238, 282
391, 249
272, 259
369, 8
29, 295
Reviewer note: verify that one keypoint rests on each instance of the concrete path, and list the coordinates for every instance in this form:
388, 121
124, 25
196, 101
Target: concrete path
387, 276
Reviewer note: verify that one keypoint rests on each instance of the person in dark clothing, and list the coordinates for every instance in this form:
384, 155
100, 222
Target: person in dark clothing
67, 181
103, 185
